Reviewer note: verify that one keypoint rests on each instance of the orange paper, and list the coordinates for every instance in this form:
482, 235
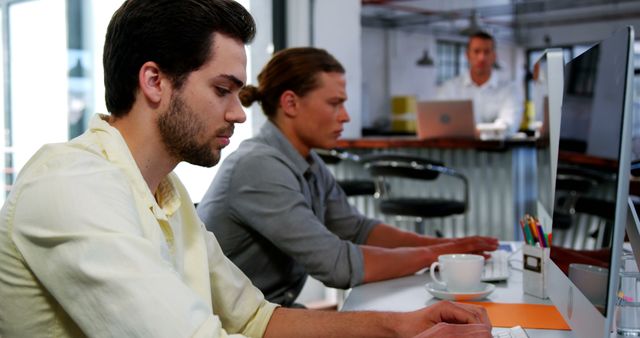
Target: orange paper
529, 316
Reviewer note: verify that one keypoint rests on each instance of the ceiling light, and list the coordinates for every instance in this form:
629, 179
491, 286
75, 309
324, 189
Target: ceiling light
473, 26
425, 59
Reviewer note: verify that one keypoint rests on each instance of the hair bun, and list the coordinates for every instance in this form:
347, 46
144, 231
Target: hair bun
249, 94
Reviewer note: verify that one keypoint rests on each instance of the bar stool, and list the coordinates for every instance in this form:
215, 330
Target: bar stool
384, 167
579, 198
351, 187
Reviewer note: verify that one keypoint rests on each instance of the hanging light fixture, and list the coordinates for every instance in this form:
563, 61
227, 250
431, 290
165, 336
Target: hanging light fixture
425, 59
473, 26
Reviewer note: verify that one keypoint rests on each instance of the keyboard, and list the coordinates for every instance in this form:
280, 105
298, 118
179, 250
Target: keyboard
496, 268
514, 332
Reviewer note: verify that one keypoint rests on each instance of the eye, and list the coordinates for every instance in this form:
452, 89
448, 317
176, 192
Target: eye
222, 91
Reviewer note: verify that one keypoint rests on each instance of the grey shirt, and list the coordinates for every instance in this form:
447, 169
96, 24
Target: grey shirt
277, 226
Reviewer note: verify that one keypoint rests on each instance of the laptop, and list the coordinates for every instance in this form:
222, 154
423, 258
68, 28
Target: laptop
445, 119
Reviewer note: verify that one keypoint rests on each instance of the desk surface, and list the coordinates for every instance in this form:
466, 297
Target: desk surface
409, 293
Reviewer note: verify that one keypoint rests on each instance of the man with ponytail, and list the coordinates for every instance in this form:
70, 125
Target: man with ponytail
277, 210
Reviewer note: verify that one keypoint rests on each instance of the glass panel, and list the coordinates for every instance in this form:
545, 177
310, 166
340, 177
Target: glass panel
38, 72
7, 176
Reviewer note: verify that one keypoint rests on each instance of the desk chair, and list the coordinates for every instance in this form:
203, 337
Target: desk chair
387, 169
351, 187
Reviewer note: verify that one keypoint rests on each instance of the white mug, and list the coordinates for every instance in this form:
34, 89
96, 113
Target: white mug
460, 272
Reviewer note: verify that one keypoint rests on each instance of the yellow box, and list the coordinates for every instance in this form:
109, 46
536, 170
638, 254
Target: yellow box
403, 104
403, 113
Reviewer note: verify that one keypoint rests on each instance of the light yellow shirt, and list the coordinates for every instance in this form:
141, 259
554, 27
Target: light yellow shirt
85, 250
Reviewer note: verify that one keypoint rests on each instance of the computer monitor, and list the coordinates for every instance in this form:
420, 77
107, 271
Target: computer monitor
547, 88
595, 130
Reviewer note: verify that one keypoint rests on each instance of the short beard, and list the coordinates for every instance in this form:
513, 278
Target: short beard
179, 129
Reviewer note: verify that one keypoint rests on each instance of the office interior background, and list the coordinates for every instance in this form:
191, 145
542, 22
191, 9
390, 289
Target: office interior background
51, 58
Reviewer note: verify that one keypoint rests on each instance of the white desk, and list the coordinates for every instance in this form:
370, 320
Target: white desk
409, 293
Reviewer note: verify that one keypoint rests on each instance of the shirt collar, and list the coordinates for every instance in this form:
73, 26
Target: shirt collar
492, 83
116, 150
274, 137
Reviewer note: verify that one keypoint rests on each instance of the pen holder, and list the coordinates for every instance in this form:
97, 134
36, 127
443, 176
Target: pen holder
534, 270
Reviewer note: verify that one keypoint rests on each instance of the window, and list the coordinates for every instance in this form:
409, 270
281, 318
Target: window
35, 109
451, 60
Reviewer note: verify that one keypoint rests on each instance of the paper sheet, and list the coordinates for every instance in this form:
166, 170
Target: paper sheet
530, 316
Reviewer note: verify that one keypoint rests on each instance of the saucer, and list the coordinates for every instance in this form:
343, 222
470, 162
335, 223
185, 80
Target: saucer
439, 291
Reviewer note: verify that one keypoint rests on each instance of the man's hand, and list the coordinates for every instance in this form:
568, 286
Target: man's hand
472, 244
457, 330
435, 316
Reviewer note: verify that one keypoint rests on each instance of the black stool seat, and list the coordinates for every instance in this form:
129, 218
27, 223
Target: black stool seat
597, 207
414, 169
351, 187
422, 207
357, 187
562, 220
574, 184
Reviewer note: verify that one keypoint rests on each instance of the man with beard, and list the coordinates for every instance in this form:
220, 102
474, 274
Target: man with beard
99, 238
495, 100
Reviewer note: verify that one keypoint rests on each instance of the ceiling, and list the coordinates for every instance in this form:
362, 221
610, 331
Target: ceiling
503, 18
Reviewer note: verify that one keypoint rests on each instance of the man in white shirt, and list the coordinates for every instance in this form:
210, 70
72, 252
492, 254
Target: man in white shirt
99, 238
495, 100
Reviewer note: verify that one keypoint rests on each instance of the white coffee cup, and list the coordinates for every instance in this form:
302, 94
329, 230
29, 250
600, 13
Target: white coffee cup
460, 272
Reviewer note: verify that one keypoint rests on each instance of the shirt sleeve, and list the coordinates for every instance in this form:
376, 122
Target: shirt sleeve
446, 91
273, 204
450, 90
240, 305
341, 217
87, 248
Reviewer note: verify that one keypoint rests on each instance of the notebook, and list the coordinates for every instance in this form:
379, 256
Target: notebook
445, 119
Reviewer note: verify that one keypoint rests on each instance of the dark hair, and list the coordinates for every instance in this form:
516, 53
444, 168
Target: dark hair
177, 35
293, 69
482, 35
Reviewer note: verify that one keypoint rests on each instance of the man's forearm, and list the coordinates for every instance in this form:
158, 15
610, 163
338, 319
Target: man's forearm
382, 263
387, 236
305, 323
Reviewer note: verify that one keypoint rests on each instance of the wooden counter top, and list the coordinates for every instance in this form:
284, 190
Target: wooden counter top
386, 142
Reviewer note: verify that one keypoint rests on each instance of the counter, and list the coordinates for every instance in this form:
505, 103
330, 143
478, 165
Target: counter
501, 174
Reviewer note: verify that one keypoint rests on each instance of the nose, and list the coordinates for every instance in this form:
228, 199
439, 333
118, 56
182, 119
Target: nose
235, 113
343, 116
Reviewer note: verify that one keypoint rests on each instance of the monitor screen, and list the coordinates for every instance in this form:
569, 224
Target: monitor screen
591, 186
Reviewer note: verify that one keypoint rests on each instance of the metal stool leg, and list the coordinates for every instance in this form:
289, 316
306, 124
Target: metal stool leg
419, 226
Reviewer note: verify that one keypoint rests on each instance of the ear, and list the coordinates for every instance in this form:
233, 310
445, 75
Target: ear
150, 81
289, 103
